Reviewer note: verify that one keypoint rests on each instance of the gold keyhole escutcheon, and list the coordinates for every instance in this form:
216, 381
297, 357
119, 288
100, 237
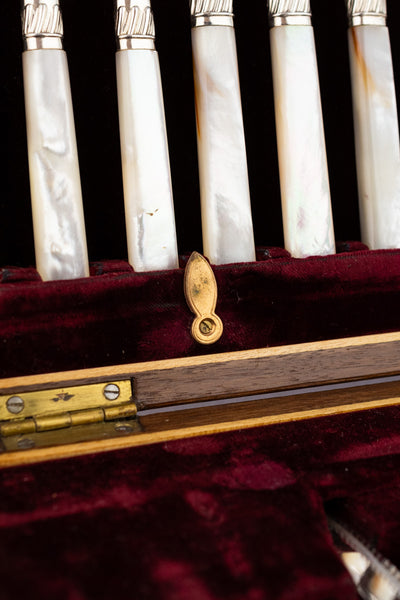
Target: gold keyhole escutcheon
201, 294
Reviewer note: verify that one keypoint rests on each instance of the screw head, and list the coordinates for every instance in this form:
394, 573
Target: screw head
207, 327
15, 405
111, 392
25, 444
123, 428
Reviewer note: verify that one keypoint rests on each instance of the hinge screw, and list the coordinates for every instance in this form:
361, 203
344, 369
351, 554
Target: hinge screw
123, 428
111, 392
25, 444
15, 405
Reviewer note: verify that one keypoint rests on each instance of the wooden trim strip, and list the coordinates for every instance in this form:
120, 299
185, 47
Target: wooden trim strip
266, 371
162, 383
86, 448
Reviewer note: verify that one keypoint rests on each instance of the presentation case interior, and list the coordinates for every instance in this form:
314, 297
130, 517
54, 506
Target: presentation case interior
141, 463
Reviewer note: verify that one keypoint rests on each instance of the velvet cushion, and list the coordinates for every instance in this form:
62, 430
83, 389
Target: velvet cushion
118, 316
238, 515
233, 516
230, 516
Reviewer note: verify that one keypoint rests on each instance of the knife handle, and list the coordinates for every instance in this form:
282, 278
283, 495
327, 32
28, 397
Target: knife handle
376, 128
58, 220
304, 180
149, 209
224, 187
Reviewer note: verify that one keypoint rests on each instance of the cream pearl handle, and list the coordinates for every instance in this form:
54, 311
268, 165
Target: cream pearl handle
58, 220
149, 208
376, 126
304, 180
224, 187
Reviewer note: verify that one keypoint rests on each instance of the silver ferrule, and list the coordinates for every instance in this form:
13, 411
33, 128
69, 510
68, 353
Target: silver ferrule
42, 25
134, 25
211, 12
289, 12
367, 12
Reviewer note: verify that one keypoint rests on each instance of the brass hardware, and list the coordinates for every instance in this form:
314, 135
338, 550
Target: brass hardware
120, 412
69, 399
124, 428
201, 294
25, 443
94, 415
15, 405
17, 427
94, 432
111, 392
39, 411
45, 423
66, 420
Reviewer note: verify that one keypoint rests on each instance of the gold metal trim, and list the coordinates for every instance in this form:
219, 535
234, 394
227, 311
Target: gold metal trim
167, 383
20, 446
66, 420
64, 400
201, 295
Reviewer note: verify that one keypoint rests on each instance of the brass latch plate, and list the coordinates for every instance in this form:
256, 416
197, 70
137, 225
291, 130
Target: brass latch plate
46, 410
201, 294
97, 433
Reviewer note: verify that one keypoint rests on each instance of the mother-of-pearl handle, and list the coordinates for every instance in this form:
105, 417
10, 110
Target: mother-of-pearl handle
306, 202
58, 220
375, 123
149, 210
225, 198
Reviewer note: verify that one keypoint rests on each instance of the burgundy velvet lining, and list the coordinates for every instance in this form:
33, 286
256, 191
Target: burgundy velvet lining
230, 516
118, 316
376, 513
233, 516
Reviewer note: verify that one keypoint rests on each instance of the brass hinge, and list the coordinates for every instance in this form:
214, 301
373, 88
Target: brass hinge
40, 411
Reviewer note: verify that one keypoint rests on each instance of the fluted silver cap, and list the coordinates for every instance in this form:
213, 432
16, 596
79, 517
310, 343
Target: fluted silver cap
42, 25
134, 25
211, 12
366, 12
289, 12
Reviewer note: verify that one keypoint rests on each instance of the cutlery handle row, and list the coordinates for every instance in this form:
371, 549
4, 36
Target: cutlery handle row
60, 241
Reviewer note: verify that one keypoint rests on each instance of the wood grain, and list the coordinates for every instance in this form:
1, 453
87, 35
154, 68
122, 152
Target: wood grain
235, 374
170, 427
274, 406
314, 366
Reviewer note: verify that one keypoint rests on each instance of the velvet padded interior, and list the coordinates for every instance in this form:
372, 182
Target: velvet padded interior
118, 316
225, 517
238, 516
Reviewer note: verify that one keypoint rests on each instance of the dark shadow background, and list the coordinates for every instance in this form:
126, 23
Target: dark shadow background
89, 41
